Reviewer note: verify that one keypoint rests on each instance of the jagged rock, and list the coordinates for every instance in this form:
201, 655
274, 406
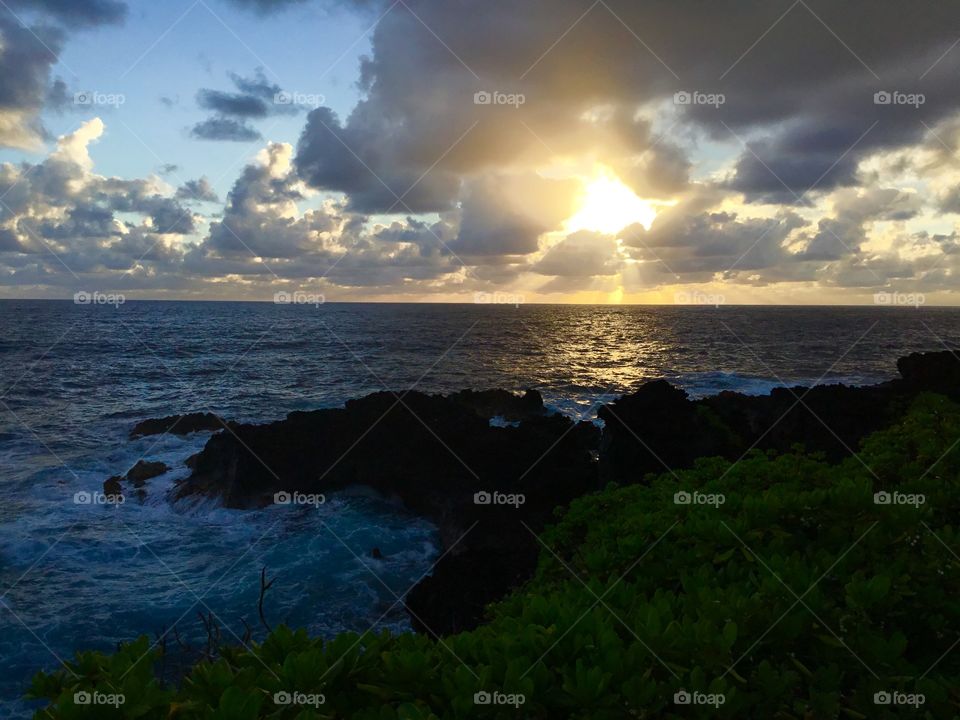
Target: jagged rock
178, 425
432, 453
111, 486
493, 403
144, 470
136, 476
936, 372
435, 453
658, 426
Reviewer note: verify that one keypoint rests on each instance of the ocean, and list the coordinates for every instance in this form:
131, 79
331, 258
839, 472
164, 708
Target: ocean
74, 379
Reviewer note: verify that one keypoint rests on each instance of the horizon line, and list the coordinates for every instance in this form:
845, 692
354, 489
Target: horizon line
504, 304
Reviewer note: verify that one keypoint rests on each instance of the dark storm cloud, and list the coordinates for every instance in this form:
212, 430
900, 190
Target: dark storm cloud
797, 95
381, 183
221, 128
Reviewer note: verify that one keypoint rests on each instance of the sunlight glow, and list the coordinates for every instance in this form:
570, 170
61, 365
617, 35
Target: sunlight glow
608, 206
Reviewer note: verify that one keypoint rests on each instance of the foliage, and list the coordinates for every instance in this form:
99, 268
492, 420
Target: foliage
797, 597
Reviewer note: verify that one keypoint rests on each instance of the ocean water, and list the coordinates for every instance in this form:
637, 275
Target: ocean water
74, 379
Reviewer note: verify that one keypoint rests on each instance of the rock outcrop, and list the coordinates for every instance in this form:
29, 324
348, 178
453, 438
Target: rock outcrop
136, 476
490, 490
178, 425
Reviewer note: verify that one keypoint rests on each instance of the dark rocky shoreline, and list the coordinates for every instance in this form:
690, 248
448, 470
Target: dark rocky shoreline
435, 453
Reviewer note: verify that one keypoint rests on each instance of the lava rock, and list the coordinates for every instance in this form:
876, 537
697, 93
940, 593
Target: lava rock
178, 425
144, 470
491, 490
486, 488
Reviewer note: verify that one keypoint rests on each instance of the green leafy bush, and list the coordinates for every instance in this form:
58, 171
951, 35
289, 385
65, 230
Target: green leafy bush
800, 595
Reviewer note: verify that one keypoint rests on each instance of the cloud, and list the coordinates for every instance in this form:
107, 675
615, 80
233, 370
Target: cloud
32, 36
265, 7
255, 98
581, 254
60, 211
800, 99
221, 128
200, 190
76, 12
476, 128
26, 56
507, 214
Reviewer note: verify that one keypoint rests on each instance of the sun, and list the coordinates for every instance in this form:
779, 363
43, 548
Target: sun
608, 206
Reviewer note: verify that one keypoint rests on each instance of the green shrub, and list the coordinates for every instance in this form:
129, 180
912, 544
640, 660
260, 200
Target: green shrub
798, 596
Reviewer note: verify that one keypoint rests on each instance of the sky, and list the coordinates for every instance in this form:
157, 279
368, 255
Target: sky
624, 151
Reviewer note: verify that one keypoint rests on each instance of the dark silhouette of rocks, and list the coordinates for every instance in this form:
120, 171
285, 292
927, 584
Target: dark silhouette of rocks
490, 489
136, 476
144, 470
178, 425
